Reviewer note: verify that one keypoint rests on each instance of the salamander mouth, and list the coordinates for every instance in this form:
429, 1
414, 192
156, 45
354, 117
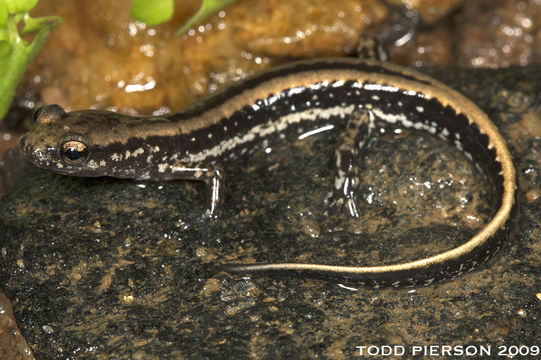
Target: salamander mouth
27, 149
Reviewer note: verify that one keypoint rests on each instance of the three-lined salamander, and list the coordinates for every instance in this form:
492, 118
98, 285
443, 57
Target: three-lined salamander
292, 98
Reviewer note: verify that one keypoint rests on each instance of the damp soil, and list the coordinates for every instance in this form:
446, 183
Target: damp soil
105, 268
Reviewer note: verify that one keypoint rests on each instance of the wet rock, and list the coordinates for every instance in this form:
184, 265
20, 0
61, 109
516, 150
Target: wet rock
112, 268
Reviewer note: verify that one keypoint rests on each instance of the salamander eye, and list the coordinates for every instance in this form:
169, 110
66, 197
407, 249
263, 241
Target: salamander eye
74, 152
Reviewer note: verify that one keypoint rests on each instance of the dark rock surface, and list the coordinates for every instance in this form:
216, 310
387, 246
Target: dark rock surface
104, 268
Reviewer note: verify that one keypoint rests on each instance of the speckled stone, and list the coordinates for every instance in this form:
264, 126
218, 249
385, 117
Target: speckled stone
104, 268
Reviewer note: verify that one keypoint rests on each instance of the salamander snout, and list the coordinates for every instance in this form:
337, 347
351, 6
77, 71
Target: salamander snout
36, 144
52, 144
41, 156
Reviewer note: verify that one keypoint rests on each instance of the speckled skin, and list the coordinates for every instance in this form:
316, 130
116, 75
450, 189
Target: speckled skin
299, 98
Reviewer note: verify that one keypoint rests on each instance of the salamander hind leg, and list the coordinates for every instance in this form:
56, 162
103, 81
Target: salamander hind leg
400, 25
370, 48
341, 202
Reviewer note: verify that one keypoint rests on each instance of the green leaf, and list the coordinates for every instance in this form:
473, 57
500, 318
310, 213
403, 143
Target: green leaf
5, 49
19, 6
33, 25
3, 14
152, 12
17, 53
208, 7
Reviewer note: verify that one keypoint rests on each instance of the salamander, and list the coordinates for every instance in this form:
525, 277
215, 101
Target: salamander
300, 97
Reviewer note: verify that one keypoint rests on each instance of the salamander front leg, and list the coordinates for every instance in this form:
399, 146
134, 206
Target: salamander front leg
351, 144
212, 177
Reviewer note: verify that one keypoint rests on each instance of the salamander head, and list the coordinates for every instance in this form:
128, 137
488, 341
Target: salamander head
61, 142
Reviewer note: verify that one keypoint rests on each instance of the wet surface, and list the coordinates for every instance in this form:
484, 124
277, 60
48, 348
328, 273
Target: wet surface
115, 62
484, 33
111, 268
101, 58
13, 346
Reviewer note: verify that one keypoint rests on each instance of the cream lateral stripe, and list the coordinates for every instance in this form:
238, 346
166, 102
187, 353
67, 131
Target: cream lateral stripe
263, 90
434, 90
